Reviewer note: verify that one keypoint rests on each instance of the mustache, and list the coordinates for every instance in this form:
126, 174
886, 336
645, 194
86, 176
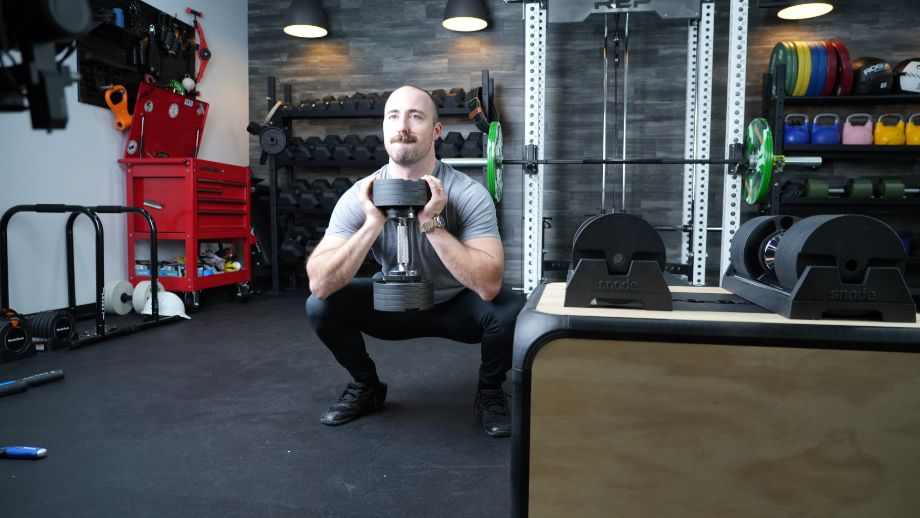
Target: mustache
407, 139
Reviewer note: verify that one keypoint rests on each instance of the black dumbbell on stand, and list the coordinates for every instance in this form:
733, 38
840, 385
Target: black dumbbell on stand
402, 287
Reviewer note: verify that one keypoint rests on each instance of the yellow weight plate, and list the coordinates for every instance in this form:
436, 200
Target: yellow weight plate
804, 70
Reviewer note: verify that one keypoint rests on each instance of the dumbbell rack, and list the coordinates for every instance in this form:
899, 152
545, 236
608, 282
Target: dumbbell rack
284, 118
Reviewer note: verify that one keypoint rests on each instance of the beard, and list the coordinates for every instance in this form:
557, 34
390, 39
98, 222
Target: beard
406, 155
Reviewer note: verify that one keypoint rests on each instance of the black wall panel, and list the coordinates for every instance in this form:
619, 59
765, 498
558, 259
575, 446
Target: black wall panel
377, 45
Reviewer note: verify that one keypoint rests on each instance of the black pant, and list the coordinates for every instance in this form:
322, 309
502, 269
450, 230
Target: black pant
342, 317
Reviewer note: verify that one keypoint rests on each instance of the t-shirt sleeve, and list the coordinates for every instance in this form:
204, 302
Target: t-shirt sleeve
347, 216
477, 217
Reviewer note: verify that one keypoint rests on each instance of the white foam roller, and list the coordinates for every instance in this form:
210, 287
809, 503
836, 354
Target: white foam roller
142, 293
117, 297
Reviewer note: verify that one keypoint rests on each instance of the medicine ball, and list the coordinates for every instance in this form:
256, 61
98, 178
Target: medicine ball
871, 76
907, 76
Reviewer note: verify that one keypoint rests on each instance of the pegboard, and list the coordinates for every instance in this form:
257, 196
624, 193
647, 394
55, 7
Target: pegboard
122, 55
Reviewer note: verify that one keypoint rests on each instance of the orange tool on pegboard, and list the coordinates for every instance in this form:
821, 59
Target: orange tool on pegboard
123, 119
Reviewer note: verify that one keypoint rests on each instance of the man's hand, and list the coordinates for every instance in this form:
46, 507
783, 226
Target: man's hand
438, 199
374, 215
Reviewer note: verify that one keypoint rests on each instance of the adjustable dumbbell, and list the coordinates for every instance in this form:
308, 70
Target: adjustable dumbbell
15, 336
402, 287
853, 189
779, 249
888, 188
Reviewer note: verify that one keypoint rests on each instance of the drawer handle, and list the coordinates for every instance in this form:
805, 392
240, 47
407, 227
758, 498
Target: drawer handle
205, 189
153, 204
223, 212
222, 182
220, 200
210, 168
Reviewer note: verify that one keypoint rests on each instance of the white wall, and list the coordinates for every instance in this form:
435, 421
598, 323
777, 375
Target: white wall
78, 165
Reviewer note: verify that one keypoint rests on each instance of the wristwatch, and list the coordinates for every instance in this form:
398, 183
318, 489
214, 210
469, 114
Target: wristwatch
436, 222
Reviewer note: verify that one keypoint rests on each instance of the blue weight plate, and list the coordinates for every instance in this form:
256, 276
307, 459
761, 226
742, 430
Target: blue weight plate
822, 66
813, 79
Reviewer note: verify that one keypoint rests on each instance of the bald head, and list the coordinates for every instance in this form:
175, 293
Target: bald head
416, 94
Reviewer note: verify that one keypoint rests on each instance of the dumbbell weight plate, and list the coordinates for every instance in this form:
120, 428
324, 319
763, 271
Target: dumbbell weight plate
403, 296
748, 253
816, 188
54, 326
849, 242
393, 193
860, 189
141, 294
14, 339
891, 188
272, 140
494, 147
758, 154
619, 238
116, 297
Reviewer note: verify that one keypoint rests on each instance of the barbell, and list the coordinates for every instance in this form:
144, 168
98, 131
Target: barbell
753, 160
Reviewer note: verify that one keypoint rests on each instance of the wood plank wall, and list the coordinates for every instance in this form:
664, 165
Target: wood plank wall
381, 44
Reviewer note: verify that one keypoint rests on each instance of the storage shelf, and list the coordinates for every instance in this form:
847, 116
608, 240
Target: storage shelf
854, 152
210, 235
853, 99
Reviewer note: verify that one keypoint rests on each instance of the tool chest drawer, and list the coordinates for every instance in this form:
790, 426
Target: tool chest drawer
188, 195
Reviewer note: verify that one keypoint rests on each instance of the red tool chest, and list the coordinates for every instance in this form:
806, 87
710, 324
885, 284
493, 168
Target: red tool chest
195, 201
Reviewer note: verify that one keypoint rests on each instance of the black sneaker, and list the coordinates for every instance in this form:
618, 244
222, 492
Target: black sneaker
492, 408
357, 400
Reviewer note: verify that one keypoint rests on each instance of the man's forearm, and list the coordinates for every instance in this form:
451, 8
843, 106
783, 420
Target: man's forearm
476, 269
330, 270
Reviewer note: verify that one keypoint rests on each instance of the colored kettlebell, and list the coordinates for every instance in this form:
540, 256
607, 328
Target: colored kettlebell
891, 134
796, 129
828, 132
912, 130
857, 134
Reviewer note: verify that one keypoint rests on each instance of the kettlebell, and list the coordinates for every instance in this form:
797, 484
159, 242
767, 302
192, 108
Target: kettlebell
828, 133
857, 134
796, 129
889, 134
912, 130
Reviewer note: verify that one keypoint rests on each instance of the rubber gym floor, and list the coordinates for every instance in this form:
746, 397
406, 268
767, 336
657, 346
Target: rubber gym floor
219, 416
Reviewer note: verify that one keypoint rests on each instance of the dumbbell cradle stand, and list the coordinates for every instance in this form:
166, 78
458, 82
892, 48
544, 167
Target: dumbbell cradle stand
591, 285
883, 294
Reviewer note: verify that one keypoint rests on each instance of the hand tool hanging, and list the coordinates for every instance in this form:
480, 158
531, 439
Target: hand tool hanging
204, 53
123, 119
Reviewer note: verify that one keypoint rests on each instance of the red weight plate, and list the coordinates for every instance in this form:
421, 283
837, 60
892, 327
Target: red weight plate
831, 79
844, 69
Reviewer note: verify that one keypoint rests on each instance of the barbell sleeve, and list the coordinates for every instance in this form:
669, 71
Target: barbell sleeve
803, 161
466, 162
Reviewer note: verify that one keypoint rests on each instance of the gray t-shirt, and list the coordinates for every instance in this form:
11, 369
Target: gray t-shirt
469, 214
